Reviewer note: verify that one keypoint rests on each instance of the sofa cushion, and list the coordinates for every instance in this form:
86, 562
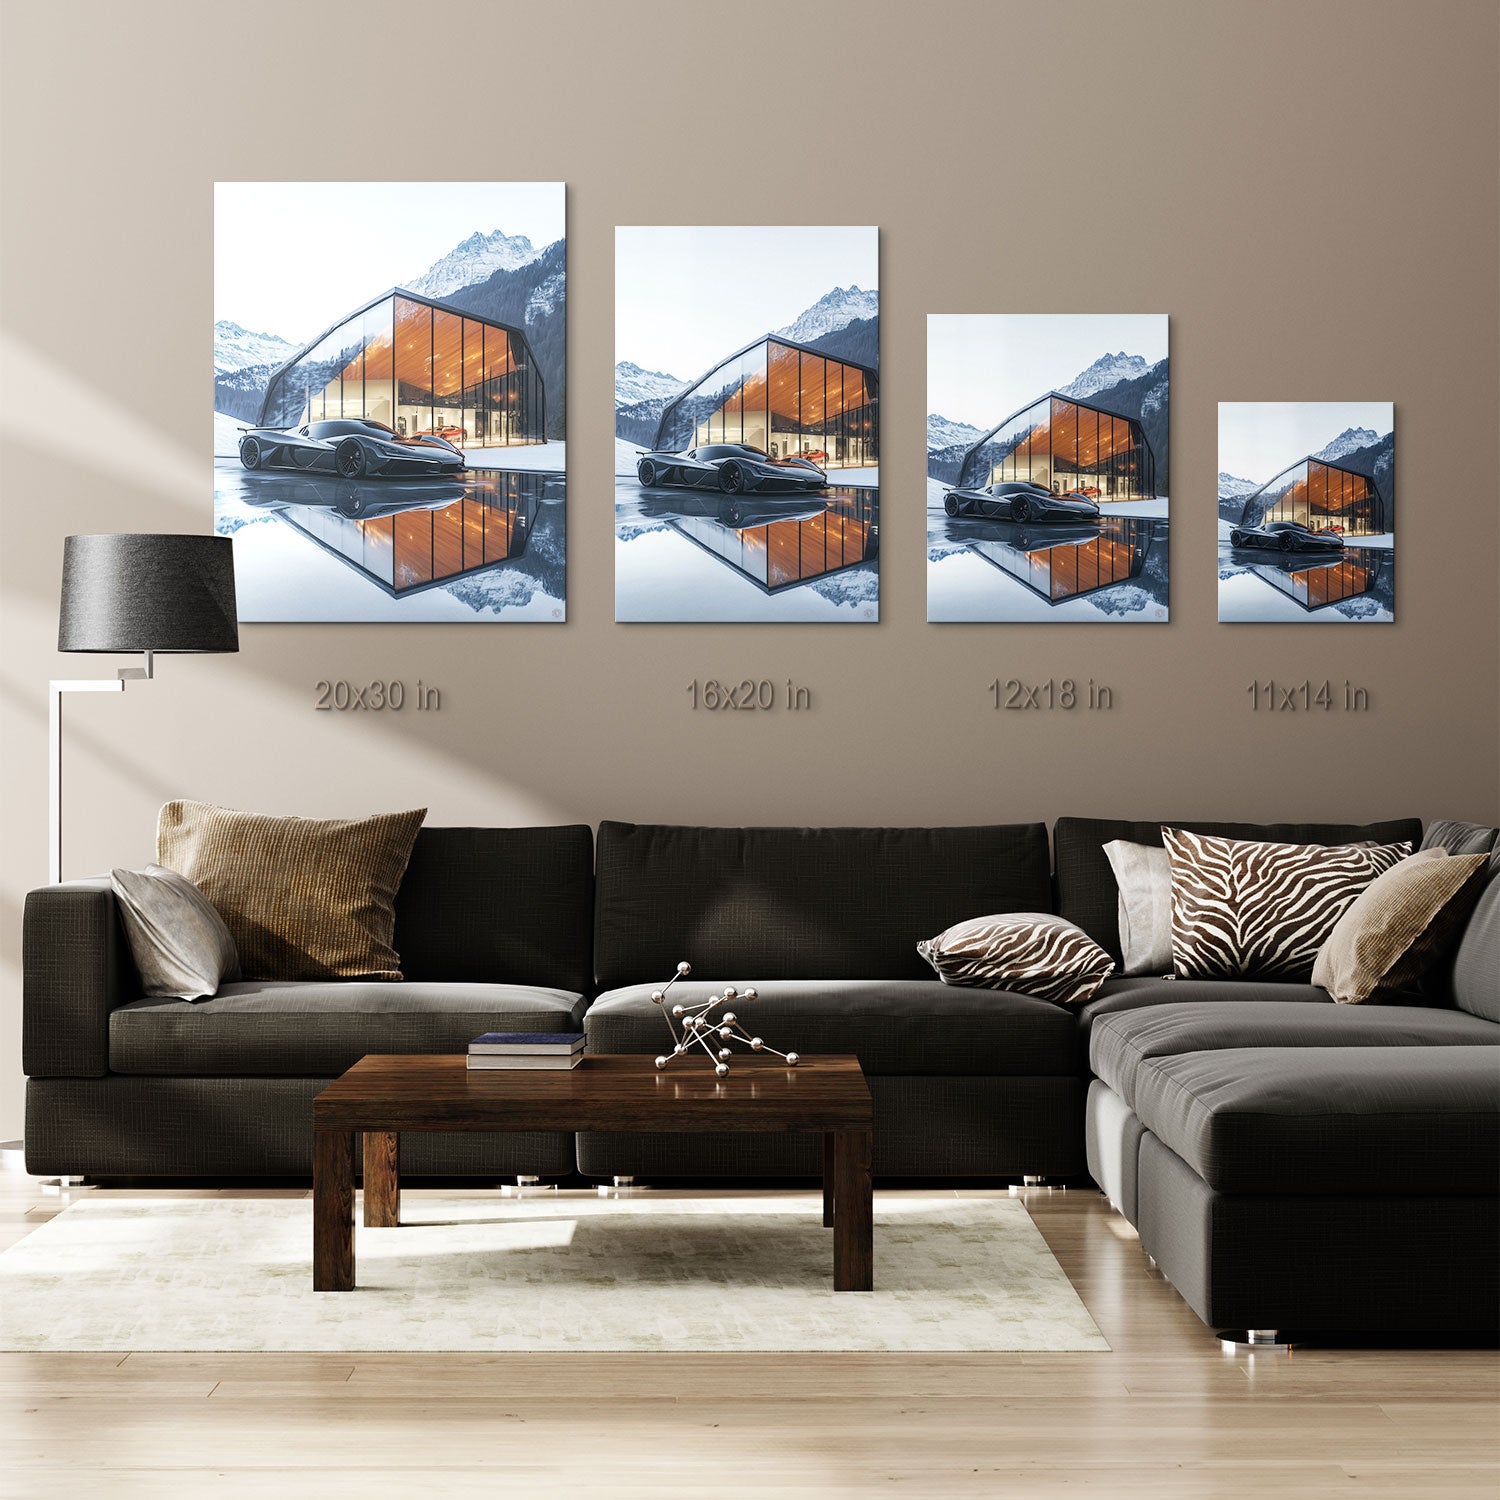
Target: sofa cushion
1086, 889
499, 906
1144, 993
1474, 978
1337, 1120
893, 1026
318, 1029
1121, 1043
801, 903
1459, 837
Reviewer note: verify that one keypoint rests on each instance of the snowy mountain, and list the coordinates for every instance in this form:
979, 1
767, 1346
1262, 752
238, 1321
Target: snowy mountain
1348, 441
545, 298
943, 432
236, 347
474, 260
633, 385
1107, 370
1232, 487
832, 311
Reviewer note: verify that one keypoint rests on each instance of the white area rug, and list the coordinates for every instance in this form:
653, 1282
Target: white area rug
537, 1275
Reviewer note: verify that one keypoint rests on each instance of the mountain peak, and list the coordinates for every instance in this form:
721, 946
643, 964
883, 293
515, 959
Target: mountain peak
944, 432
236, 348
1350, 440
474, 260
1107, 370
835, 309
633, 384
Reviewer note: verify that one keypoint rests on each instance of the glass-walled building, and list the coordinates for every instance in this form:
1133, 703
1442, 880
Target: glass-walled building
1065, 446
418, 366
784, 399
1320, 496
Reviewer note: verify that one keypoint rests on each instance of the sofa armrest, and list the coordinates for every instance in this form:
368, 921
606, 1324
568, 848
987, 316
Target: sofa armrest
76, 968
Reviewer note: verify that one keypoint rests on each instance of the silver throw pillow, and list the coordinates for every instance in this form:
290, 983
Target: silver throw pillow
179, 942
1026, 952
1144, 875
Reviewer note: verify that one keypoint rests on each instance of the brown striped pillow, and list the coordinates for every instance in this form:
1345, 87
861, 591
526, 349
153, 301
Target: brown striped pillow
1241, 907
1400, 925
1027, 952
303, 898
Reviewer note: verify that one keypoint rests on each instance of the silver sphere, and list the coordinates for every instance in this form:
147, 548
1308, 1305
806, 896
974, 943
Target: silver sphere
725, 1054
684, 967
657, 997
677, 1050
756, 1043
725, 1033
676, 1010
792, 1059
722, 1069
730, 992
748, 993
661, 1062
730, 1018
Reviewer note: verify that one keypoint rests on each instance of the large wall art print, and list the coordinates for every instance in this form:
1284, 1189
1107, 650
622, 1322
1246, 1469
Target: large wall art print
1047, 467
1307, 518
747, 432
390, 390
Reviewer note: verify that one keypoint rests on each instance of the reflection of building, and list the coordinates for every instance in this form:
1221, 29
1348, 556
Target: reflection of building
782, 553
1065, 445
1314, 584
1320, 496
1065, 569
784, 399
418, 366
419, 548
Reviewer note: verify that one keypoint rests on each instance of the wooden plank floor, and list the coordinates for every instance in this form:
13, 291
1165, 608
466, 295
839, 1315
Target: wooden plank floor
1168, 1413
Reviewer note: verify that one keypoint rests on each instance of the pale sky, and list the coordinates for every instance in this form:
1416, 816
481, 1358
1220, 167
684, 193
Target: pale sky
292, 257
1258, 439
981, 367
685, 297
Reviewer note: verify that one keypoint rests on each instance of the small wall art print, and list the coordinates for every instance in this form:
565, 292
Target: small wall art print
1307, 520
1047, 468
390, 390
747, 431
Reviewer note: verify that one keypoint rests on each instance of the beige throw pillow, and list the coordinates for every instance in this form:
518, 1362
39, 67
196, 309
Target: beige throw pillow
303, 898
1400, 925
1143, 873
181, 947
1026, 952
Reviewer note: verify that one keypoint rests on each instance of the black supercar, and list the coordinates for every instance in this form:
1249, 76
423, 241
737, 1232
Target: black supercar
734, 468
354, 448
1018, 500
1286, 536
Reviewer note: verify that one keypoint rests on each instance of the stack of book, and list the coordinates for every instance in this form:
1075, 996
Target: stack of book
526, 1049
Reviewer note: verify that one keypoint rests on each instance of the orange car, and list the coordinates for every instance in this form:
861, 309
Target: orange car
448, 434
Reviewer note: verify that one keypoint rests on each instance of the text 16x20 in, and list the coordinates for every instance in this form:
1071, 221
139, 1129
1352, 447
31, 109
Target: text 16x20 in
747, 695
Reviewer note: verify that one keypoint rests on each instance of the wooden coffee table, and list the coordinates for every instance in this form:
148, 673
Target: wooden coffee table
381, 1096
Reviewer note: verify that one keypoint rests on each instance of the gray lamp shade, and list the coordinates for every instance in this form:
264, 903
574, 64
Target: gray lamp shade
140, 592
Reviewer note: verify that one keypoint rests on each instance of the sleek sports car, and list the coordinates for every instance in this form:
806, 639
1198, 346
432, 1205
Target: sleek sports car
1019, 500
454, 435
1289, 536
735, 468
353, 448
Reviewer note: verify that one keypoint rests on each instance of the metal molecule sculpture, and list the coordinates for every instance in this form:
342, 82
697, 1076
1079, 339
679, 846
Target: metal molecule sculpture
696, 1026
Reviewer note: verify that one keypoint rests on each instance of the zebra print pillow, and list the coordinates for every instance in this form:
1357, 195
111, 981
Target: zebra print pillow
1241, 907
1027, 952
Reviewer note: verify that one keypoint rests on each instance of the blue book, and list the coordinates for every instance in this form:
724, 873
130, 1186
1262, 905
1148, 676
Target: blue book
529, 1043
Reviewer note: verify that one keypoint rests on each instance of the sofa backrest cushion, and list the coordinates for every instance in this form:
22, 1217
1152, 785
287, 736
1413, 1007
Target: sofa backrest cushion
1474, 980
1086, 890
499, 906
800, 903
1459, 838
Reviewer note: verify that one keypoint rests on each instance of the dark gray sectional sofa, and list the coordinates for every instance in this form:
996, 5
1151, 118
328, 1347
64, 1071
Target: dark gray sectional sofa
1287, 1162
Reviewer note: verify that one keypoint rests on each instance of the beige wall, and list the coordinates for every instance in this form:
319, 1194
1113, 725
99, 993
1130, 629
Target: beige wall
1308, 189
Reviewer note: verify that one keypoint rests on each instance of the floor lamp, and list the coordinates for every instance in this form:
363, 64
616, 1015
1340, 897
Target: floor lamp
134, 592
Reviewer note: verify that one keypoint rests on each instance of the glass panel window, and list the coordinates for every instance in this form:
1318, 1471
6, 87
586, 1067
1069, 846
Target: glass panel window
783, 395
413, 367
447, 373
379, 389
813, 408
473, 381
755, 429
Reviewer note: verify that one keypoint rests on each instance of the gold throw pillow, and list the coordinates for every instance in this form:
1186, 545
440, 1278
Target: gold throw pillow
303, 898
1399, 925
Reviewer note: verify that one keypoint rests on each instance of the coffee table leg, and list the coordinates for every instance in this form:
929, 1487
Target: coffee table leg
828, 1157
333, 1211
382, 1179
853, 1213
